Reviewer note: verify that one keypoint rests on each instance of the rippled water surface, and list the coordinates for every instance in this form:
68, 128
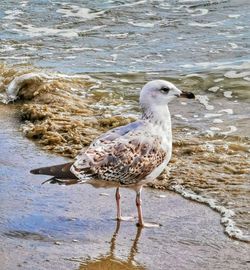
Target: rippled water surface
87, 60
122, 36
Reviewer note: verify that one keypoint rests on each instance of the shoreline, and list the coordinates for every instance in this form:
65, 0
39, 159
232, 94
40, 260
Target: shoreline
72, 228
64, 121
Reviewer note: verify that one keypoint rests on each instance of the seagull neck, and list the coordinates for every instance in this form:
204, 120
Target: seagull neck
158, 115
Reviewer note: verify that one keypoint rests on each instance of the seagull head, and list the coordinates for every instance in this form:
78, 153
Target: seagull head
160, 92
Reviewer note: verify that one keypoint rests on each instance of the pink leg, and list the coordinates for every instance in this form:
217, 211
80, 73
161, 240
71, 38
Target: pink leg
138, 205
141, 222
118, 207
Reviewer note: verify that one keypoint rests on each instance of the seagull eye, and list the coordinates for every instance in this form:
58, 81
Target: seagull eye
165, 90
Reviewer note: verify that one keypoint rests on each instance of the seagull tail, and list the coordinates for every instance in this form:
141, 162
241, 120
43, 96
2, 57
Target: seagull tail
59, 172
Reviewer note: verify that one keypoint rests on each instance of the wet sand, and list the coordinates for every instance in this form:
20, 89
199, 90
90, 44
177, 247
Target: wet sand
55, 227
63, 114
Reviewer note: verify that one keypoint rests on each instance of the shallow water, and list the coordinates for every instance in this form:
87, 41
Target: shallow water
171, 36
106, 51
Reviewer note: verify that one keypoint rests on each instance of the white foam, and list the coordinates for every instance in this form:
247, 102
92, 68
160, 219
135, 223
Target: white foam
246, 79
12, 14
234, 16
82, 49
217, 121
233, 74
204, 25
197, 12
233, 45
124, 80
203, 99
120, 36
6, 48
215, 128
16, 84
181, 117
219, 80
193, 74
134, 3
214, 89
91, 29
209, 133
228, 94
34, 31
211, 115
226, 214
24, 3
239, 65
231, 130
114, 56
76, 11
228, 111
142, 24
17, 57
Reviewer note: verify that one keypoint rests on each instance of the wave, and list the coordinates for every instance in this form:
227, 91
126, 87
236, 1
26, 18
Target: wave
227, 215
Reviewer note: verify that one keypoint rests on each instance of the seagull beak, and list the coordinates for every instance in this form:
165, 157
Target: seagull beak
189, 95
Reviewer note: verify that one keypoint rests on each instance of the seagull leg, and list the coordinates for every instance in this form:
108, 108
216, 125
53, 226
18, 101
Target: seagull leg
141, 222
118, 207
138, 205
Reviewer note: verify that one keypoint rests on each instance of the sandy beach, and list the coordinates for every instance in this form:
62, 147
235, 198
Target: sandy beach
55, 227
72, 70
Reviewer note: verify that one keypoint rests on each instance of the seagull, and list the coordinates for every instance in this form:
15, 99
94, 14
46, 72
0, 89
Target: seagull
128, 156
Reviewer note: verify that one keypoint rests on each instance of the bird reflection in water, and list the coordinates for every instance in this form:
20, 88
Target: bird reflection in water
110, 261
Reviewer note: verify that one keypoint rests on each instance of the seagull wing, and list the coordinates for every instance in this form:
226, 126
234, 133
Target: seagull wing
123, 155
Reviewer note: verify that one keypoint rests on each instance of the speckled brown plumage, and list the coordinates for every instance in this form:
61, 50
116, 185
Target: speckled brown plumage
124, 155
